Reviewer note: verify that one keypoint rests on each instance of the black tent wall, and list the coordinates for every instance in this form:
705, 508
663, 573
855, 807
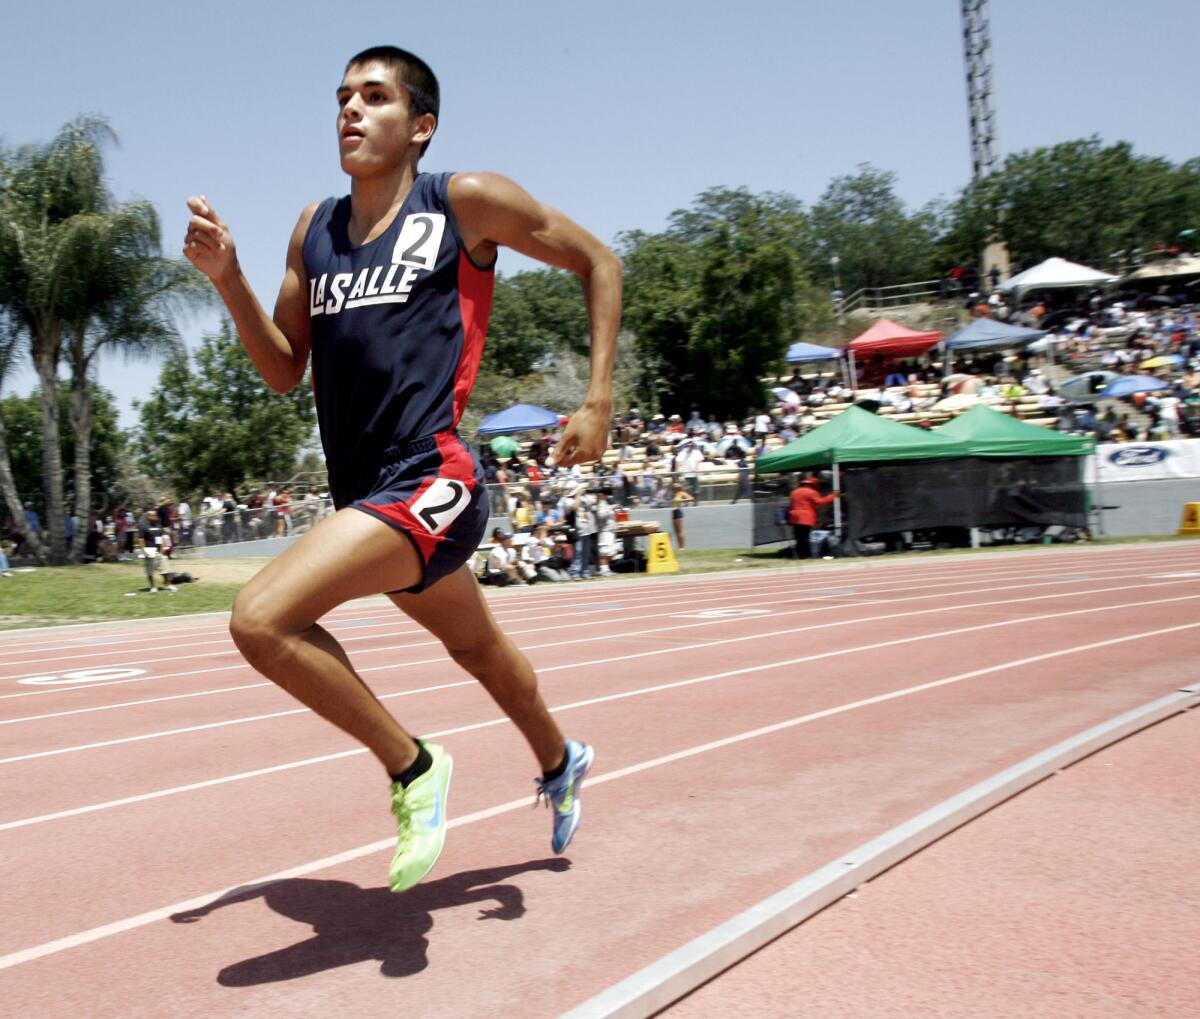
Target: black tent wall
921, 494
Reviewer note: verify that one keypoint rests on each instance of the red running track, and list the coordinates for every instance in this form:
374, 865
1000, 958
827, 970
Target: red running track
749, 728
1089, 908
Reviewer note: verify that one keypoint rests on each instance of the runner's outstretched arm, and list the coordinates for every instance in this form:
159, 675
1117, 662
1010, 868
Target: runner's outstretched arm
277, 345
491, 211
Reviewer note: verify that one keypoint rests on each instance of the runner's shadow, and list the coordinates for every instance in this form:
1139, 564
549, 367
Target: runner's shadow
352, 924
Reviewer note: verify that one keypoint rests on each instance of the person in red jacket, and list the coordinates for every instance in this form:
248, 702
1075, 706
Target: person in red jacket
802, 511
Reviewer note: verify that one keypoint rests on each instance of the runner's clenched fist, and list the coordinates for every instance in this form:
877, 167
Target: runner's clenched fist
208, 244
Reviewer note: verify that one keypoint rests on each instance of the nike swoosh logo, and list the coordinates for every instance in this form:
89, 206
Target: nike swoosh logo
436, 820
568, 801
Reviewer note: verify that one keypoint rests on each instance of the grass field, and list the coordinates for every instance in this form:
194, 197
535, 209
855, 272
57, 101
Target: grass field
86, 594
47, 596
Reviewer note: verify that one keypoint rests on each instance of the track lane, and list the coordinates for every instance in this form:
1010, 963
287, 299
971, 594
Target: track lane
271, 808
118, 771
512, 605
173, 713
231, 665
644, 840
360, 984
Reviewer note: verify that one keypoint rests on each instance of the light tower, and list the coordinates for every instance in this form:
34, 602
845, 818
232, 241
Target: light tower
977, 55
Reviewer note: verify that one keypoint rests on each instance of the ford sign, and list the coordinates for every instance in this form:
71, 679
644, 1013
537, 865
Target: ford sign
1138, 456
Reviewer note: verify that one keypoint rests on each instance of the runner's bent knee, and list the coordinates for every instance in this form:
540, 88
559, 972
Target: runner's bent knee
255, 625
487, 654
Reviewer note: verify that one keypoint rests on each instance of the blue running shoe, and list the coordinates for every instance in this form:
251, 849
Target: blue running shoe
562, 793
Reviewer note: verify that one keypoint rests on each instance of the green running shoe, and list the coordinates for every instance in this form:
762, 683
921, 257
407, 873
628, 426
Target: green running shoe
420, 820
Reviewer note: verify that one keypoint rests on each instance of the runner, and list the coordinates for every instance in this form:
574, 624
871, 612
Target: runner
390, 289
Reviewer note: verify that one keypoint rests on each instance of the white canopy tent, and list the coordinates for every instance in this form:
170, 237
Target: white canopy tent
1183, 265
1056, 272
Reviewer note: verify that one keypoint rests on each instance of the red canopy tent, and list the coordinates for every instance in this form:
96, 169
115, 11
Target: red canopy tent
893, 340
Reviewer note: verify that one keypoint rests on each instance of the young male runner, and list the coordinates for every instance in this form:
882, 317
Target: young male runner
390, 290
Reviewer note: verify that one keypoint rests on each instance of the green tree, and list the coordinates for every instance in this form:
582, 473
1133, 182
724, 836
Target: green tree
738, 332
23, 424
1080, 200
133, 296
861, 220
660, 300
78, 272
46, 195
534, 315
217, 423
713, 300
10, 339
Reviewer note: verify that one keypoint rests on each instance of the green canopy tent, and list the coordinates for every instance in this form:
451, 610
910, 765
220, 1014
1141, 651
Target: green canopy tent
997, 472
986, 432
1052, 457
858, 436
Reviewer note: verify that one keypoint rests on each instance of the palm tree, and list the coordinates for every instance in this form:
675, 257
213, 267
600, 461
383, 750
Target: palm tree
132, 295
45, 195
10, 347
79, 274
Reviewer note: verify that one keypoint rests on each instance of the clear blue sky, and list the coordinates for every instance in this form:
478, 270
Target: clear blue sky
617, 113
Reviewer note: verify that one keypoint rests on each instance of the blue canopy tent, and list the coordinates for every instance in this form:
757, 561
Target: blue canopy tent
988, 334
1127, 385
801, 353
524, 417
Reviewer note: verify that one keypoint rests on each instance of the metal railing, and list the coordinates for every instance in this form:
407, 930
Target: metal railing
245, 524
640, 491
899, 296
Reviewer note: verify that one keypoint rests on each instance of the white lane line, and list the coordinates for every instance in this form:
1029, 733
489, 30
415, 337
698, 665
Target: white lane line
522, 603
606, 620
626, 634
165, 912
618, 696
883, 574
1128, 554
643, 600
630, 605
670, 977
132, 704
73, 652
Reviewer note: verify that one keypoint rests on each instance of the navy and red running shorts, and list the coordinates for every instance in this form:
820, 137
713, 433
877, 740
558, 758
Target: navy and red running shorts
432, 490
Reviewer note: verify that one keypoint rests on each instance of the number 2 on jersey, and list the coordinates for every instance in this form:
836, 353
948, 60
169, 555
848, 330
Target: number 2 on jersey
420, 239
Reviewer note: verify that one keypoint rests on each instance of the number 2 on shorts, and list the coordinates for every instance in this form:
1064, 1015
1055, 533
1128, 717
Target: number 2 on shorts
440, 504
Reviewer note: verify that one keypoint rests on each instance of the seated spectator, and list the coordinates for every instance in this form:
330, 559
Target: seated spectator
542, 554
522, 514
501, 569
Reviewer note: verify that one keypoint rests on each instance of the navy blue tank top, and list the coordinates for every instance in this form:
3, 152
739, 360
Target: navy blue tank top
398, 327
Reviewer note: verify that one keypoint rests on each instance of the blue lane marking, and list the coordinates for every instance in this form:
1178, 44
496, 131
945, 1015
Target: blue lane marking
1076, 576
102, 640
357, 622
835, 590
598, 607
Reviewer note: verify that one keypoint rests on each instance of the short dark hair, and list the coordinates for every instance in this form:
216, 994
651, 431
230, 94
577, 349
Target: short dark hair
411, 72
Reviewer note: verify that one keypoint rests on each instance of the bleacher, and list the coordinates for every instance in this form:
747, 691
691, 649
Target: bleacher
1026, 408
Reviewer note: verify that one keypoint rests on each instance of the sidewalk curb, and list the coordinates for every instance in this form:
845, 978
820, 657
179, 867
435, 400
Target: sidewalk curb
680, 972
